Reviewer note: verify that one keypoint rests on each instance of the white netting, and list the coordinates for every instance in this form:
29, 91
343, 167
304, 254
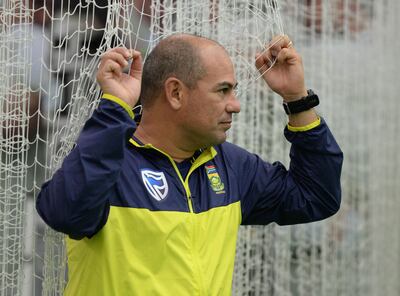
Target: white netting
49, 52
49, 56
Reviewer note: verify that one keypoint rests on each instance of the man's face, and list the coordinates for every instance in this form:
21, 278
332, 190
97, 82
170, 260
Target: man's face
210, 105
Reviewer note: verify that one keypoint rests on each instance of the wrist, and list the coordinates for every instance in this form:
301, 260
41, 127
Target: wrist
303, 118
120, 102
301, 104
295, 96
303, 124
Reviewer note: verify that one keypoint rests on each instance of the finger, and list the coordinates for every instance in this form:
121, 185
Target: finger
279, 42
111, 66
275, 46
287, 55
116, 57
127, 53
272, 50
264, 58
136, 65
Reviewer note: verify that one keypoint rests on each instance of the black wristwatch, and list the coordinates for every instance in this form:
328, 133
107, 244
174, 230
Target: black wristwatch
303, 104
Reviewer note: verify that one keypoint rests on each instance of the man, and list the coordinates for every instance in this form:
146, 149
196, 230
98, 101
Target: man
155, 209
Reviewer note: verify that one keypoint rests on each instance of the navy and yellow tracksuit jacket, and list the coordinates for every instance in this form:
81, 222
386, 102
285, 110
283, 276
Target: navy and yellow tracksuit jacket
141, 224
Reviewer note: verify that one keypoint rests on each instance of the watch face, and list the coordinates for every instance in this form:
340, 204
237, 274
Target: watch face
312, 100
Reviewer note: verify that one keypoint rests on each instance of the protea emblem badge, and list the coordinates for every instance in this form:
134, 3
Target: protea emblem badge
155, 183
215, 181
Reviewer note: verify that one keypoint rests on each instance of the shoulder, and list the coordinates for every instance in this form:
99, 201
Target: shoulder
228, 149
235, 156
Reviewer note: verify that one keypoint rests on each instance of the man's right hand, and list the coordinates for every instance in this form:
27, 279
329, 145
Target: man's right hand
113, 81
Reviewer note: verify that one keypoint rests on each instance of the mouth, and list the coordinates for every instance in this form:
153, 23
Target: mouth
226, 123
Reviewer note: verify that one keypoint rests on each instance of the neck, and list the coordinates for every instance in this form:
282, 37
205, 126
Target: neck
160, 134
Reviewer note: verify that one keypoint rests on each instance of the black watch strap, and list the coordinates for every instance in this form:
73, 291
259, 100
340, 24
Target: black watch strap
303, 104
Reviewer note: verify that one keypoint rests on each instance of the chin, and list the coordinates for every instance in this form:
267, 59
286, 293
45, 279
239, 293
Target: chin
212, 140
219, 140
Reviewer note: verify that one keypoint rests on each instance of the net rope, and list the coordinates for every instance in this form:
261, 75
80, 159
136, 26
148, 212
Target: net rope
49, 52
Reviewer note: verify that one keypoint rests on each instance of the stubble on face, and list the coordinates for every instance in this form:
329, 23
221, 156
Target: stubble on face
208, 119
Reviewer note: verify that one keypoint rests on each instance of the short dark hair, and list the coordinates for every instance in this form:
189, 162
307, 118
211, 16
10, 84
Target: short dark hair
176, 56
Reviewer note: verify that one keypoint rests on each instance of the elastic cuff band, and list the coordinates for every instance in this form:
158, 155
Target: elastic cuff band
119, 102
306, 127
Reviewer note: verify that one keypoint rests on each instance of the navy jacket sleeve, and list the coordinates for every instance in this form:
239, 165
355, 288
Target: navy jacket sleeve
76, 200
309, 191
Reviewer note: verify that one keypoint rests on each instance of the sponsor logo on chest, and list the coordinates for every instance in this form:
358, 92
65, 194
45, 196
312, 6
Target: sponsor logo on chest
155, 183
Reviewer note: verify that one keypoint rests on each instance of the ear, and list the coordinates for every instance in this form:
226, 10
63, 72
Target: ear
174, 92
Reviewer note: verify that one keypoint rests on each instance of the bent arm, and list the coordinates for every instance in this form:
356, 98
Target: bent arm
76, 200
309, 191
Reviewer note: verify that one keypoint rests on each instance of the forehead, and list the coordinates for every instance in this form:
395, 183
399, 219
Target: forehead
217, 64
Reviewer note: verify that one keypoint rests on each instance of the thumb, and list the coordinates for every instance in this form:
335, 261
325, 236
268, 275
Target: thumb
136, 65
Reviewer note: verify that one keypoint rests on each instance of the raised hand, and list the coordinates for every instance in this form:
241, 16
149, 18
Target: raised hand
286, 76
114, 81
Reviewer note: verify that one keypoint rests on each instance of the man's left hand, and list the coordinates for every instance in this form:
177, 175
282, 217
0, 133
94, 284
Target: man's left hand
282, 68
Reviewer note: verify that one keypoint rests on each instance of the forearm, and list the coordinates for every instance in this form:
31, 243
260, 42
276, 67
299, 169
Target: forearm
308, 191
316, 162
75, 200
303, 118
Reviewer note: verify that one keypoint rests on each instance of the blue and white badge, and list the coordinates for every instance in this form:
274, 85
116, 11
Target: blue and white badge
156, 184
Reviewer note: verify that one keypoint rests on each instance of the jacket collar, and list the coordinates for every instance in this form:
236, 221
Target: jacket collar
201, 156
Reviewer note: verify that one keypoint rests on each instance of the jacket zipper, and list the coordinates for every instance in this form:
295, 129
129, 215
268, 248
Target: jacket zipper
186, 187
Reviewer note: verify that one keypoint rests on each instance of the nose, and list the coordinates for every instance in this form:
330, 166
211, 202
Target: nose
233, 105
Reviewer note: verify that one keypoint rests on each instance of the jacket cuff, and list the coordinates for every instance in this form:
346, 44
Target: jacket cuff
119, 102
305, 127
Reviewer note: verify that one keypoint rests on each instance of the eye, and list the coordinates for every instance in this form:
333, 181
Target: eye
224, 90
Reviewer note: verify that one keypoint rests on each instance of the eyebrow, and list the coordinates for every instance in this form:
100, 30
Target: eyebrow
226, 83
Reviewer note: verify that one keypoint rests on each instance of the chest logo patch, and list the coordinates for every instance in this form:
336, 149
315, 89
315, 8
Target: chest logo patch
155, 183
215, 181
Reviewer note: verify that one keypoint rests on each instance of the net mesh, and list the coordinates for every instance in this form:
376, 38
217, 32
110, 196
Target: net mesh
49, 53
